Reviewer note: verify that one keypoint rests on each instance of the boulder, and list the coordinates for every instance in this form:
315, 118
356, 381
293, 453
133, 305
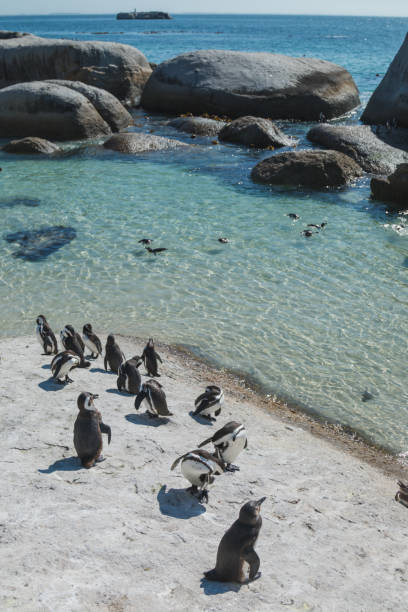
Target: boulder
120, 69
315, 169
254, 131
392, 189
235, 84
6, 34
200, 126
390, 98
136, 142
377, 151
31, 145
36, 245
49, 111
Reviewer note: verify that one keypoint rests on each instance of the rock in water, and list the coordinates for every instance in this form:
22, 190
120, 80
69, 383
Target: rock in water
392, 189
315, 169
143, 15
134, 142
254, 131
120, 69
200, 126
31, 145
36, 245
390, 99
235, 83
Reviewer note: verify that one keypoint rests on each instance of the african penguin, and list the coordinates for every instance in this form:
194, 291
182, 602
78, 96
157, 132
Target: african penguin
88, 430
229, 442
62, 364
72, 341
150, 358
129, 378
45, 336
152, 392
113, 355
209, 402
92, 341
200, 468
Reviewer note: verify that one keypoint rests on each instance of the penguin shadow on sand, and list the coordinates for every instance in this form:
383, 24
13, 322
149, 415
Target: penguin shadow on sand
46, 366
68, 464
211, 587
50, 385
117, 392
200, 419
101, 370
144, 419
179, 503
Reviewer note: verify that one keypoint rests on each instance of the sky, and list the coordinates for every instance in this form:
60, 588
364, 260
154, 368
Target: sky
314, 7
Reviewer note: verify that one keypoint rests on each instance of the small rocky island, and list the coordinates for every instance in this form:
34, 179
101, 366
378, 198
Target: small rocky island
143, 15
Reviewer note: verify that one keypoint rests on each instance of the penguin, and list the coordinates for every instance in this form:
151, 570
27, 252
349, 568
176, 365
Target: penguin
402, 495
229, 442
46, 336
129, 378
155, 251
63, 363
293, 216
209, 402
88, 430
317, 225
237, 546
150, 358
223, 240
200, 468
152, 392
145, 241
92, 341
113, 355
72, 341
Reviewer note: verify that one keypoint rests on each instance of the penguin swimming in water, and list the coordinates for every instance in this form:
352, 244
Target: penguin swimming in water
229, 442
209, 402
62, 364
88, 430
72, 341
237, 546
152, 392
145, 241
92, 341
150, 358
155, 251
129, 378
200, 468
113, 355
46, 336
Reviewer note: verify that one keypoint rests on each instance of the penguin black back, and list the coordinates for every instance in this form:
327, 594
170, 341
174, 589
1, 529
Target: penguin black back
72, 341
150, 358
113, 355
46, 336
88, 430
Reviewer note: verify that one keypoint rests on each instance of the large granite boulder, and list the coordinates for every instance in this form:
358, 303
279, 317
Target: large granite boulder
50, 110
136, 142
199, 126
392, 189
120, 69
235, 83
31, 145
254, 131
315, 169
390, 98
378, 151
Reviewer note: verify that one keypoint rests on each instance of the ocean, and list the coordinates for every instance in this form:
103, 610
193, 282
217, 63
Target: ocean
318, 323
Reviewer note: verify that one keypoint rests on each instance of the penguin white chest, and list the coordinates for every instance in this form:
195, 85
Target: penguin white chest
192, 469
234, 448
91, 345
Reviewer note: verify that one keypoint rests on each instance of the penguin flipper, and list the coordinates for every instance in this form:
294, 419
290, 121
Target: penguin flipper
158, 357
177, 461
205, 442
253, 560
105, 429
139, 399
105, 363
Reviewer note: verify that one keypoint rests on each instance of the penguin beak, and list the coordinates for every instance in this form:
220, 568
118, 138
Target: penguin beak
260, 501
95, 396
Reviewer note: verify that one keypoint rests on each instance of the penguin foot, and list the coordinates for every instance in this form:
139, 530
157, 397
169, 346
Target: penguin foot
100, 459
202, 496
232, 468
256, 577
60, 382
68, 379
211, 575
152, 416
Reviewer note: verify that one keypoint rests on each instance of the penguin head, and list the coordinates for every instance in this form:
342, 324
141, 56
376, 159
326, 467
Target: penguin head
87, 329
138, 360
110, 339
250, 511
85, 401
67, 331
41, 320
150, 343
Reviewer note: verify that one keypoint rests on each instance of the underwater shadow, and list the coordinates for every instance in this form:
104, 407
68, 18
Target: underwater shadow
200, 419
69, 464
178, 503
50, 385
213, 587
143, 419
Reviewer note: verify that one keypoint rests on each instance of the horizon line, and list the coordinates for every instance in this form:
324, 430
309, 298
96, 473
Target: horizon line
70, 14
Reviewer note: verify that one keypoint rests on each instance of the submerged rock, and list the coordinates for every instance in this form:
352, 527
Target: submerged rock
19, 201
392, 189
36, 245
120, 69
315, 169
31, 145
235, 83
134, 142
254, 131
200, 126
378, 153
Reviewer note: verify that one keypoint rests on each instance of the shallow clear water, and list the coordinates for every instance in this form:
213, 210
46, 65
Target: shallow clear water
316, 321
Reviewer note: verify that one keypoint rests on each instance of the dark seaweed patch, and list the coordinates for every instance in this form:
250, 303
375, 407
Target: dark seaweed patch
36, 245
18, 201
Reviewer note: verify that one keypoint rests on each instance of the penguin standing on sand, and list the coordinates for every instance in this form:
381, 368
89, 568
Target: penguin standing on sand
113, 355
88, 430
152, 392
129, 378
229, 442
72, 341
237, 547
150, 358
92, 341
62, 364
209, 402
46, 336
200, 468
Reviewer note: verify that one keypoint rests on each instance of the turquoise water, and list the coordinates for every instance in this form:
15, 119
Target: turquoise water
315, 321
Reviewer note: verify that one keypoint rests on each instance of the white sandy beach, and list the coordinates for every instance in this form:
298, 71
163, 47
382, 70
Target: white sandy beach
124, 536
